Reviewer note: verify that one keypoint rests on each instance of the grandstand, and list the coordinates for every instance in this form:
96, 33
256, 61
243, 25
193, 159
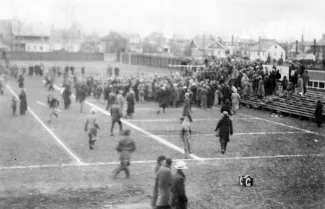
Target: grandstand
289, 105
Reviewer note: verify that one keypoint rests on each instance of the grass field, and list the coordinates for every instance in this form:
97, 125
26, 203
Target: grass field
50, 165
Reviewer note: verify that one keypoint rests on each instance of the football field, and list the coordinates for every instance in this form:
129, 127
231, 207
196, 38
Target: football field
50, 165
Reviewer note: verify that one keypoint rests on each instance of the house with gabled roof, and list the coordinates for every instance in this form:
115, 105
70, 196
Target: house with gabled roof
30, 37
113, 42
201, 46
265, 48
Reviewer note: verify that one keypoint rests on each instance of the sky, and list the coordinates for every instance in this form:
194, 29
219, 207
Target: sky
279, 19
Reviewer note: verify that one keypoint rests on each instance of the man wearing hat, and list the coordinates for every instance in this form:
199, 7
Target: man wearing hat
92, 126
225, 129
179, 199
125, 148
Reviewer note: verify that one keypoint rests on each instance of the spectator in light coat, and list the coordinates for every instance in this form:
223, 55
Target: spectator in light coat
300, 86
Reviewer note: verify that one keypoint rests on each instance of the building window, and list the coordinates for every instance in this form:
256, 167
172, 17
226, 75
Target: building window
275, 46
41, 48
275, 54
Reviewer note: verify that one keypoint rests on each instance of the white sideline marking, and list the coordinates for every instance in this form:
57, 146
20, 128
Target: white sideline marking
45, 105
154, 161
282, 124
49, 130
251, 133
157, 138
171, 119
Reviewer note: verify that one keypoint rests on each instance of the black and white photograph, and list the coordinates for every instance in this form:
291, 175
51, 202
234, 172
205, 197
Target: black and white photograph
162, 104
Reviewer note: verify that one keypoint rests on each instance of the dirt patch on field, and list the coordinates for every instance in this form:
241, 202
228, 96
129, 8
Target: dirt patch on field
102, 197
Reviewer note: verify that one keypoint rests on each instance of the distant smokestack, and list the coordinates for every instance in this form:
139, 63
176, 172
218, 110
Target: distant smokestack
323, 36
296, 46
232, 40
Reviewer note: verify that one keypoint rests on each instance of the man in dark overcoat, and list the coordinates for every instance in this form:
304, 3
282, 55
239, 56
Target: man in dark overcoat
225, 129
161, 192
66, 96
116, 114
23, 102
179, 199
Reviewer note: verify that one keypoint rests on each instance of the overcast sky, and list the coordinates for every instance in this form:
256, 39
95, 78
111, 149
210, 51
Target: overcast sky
279, 19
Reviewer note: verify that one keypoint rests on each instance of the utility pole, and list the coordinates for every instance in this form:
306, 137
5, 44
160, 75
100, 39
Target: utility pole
259, 47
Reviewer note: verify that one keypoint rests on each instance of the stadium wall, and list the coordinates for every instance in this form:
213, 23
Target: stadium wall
66, 56
149, 60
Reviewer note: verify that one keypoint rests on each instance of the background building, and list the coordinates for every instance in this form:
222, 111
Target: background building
267, 48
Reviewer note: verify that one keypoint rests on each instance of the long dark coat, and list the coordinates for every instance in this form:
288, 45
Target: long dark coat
179, 198
225, 126
23, 102
131, 101
319, 113
66, 97
21, 81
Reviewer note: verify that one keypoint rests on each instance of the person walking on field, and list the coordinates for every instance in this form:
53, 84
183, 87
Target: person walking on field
23, 102
225, 129
120, 100
186, 107
116, 115
235, 101
162, 188
130, 99
53, 103
179, 199
125, 148
185, 136
91, 126
319, 113
66, 96
14, 105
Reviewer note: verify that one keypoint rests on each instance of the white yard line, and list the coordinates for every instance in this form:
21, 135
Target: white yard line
282, 124
49, 130
157, 138
154, 161
194, 119
241, 134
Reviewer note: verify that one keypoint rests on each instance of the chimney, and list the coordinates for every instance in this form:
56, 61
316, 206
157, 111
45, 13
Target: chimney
314, 46
302, 38
323, 36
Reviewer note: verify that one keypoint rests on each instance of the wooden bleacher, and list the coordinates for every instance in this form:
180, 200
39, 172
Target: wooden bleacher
292, 106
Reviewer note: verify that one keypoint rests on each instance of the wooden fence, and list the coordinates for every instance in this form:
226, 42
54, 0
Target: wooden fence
65, 56
149, 60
